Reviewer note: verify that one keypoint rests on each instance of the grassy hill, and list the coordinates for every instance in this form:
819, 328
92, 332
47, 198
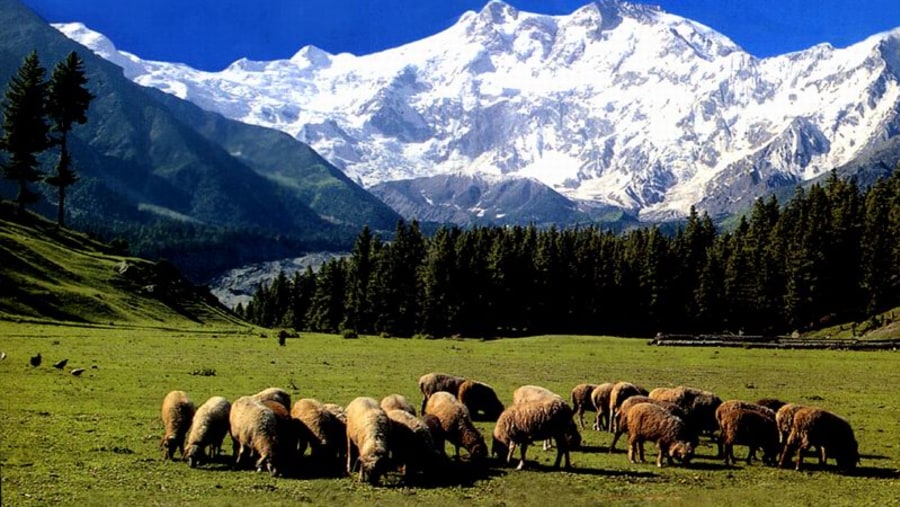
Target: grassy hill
47, 274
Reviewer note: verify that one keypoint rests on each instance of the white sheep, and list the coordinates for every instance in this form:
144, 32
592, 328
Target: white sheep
209, 427
254, 432
368, 429
177, 414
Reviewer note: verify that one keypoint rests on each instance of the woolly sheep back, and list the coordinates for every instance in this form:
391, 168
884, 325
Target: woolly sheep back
434, 382
397, 401
480, 399
254, 431
177, 414
368, 429
522, 423
275, 394
208, 429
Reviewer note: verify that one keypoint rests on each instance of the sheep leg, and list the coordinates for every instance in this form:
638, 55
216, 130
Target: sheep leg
728, 452
613, 424
597, 419
510, 451
561, 450
522, 449
659, 456
751, 454
580, 416
641, 449
615, 439
351, 459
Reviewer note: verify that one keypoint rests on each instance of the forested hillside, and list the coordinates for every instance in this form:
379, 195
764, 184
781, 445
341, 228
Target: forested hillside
830, 254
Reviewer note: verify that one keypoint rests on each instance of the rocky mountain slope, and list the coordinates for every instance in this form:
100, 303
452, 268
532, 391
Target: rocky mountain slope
616, 104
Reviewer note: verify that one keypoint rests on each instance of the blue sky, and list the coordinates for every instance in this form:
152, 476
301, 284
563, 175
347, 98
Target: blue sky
210, 34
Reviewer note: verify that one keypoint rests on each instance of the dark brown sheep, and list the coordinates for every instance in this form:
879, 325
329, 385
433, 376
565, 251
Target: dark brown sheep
833, 435
480, 399
431, 383
750, 427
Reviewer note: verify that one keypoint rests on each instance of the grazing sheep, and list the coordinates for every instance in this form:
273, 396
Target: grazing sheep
647, 421
622, 415
699, 405
457, 424
523, 423
431, 383
437, 432
771, 403
290, 431
337, 410
814, 426
177, 414
275, 394
411, 443
784, 418
581, 401
525, 394
750, 427
480, 399
600, 400
732, 405
397, 401
322, 429
368, 430
208, 430
254, 432
621, 391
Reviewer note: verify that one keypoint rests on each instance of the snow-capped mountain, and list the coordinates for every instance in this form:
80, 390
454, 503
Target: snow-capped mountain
615, 104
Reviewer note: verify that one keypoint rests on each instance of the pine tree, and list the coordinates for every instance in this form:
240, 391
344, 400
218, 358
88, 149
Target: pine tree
25, 128
67, 104
358, 306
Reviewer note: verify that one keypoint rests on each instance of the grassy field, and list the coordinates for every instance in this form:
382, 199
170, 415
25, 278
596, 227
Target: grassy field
94, 439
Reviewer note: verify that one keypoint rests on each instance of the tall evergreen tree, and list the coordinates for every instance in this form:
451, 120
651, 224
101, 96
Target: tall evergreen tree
67, 103
25, 128
358, 306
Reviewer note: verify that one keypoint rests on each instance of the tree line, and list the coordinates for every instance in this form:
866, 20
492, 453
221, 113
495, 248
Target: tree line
38, 115
830, 254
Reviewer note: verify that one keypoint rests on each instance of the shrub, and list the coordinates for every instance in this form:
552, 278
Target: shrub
349, 333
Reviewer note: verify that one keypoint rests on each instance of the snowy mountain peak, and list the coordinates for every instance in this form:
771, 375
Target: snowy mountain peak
614, 104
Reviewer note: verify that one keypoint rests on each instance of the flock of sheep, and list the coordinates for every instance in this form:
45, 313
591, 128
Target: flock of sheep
373, 438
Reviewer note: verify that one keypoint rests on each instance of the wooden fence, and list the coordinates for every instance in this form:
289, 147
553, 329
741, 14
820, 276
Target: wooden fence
772, 342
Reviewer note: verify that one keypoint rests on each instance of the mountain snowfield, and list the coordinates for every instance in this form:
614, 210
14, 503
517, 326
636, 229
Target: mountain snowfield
615, 104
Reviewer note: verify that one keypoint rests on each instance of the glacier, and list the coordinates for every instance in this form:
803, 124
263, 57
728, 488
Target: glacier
616, 104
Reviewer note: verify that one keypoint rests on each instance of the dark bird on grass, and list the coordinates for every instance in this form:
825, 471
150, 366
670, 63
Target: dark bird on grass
77, 371
60, 364
36, 360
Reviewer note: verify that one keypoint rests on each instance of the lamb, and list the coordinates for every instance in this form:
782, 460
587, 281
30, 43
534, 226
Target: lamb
622, 425
177, 415
411, 443
431, 383
275, 394
368, 429
480, 399
397, 401
814, 426
747, 426
600, 400
523, 423
457, 424
322, 429
581, 401
647, 421
254, 431
208, 430
621, 391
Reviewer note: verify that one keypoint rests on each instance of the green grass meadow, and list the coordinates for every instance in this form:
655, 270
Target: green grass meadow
94, 439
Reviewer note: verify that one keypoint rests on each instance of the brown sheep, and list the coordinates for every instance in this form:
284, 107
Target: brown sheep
621, 391
437, 433
411, 443
254, 432
325, 432
368, 430
457, 424
750, 427
829, 432
581, 401
177, 415
290, 431
622, 425
771, 403
208, 429
647, 421
431, 383
397, 401
784, 418
529, 393
699, 405
480, 399
600, 400
274, 394
523, 423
